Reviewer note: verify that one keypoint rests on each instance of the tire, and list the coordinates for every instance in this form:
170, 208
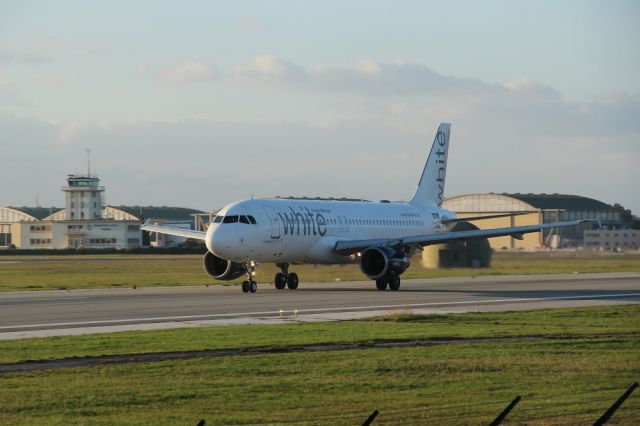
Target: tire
292, 281
280, 281
394, 283
245, 286
253, 286
381, 285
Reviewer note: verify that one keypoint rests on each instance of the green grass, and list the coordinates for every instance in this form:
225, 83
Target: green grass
583, 361
25, 273
580, 322
556, 323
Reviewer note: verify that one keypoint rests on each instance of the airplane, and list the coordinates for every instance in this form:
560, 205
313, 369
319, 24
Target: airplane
380, 236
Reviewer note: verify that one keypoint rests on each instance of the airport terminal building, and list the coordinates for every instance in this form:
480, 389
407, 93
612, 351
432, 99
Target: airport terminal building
86, 223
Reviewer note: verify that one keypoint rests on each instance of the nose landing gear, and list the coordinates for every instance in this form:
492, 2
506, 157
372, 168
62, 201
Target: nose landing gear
249, 285
285, 279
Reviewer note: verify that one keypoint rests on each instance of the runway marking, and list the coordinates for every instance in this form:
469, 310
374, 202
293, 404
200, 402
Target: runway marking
41, 299
351, 308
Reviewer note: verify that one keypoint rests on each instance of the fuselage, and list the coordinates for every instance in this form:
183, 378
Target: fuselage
306, 231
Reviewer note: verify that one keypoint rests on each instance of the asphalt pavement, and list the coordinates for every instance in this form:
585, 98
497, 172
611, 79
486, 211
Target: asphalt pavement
73, 312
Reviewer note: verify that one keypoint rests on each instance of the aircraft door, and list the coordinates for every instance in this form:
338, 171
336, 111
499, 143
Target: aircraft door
275, 221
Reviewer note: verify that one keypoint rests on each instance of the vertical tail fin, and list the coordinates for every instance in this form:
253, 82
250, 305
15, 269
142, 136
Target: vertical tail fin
430, 189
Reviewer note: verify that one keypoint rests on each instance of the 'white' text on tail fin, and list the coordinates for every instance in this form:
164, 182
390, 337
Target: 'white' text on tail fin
430, 189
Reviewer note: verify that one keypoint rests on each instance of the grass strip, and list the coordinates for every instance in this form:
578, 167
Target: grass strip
566, 381
558, 323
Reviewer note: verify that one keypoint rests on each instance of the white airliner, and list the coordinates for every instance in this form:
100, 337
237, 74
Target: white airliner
381, 236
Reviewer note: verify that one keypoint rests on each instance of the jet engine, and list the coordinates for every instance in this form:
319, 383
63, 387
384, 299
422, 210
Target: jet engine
383, 262
222, 269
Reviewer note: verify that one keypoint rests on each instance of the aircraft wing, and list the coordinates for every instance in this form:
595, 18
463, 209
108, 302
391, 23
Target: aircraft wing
347, 247
187, 233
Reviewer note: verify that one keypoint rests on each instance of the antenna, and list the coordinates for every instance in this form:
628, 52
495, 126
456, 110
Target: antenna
88, 151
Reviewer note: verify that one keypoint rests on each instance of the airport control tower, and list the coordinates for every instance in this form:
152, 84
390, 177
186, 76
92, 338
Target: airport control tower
83, 196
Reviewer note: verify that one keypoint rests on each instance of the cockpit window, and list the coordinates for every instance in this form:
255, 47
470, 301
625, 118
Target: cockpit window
230, 219
248, 219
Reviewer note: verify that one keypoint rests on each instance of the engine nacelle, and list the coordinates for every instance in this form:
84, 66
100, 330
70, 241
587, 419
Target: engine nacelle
222, 269
383, 262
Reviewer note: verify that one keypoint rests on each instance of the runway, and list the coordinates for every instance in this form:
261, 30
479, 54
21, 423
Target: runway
55, 313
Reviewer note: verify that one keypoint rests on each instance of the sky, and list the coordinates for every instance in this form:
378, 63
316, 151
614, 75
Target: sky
201, 103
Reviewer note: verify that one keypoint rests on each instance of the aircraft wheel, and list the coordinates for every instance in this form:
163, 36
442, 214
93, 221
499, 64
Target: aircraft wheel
280, 281
381, 284
253, 286
292, 281
245, 286
394, 283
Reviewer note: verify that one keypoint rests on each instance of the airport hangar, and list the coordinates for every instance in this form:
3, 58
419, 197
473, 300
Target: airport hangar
535, 209
87, 223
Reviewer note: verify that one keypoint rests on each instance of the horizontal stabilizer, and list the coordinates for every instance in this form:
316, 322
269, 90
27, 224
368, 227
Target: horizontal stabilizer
473, 218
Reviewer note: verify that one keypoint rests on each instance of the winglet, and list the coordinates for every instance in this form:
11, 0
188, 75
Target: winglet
430, 189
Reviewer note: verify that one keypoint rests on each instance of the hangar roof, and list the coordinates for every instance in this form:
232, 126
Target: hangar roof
159, 213
560, 201
491, 202
36, 212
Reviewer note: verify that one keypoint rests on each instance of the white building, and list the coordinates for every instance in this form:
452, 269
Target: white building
80, 225
77, 234
612, 239
86, 223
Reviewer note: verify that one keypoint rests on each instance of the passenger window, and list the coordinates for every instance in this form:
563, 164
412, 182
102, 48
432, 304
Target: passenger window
244, 219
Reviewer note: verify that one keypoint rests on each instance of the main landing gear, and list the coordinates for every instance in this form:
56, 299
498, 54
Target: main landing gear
250, 285
393, 283
285, 279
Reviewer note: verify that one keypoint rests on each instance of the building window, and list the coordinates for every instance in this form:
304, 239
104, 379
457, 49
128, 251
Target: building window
102, 241
40, 241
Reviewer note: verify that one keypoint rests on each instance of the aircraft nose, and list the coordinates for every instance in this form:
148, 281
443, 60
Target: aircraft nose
219, 240
208, 239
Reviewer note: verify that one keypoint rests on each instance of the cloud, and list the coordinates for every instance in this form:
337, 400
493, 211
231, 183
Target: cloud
516, 136
251, 23
368, 77
21, 58
525, 86
190, 71
270, 68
